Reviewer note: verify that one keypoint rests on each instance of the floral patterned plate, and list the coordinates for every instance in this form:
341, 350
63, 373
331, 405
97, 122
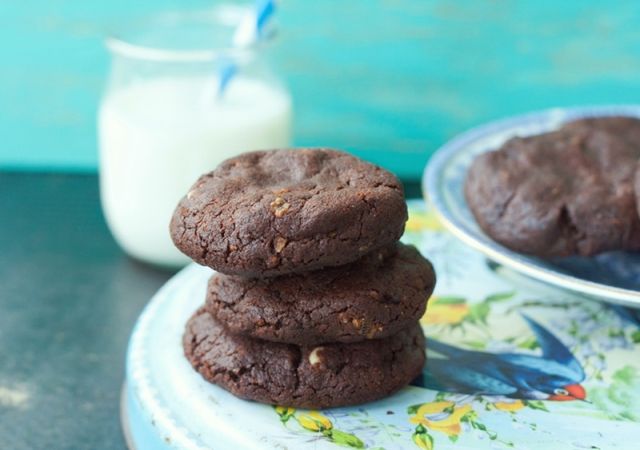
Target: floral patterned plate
613, 277
512, 363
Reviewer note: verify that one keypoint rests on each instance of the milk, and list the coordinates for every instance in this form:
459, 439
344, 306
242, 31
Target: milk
157, 136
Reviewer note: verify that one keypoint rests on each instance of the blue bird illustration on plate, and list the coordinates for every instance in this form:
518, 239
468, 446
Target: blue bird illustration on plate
555, 375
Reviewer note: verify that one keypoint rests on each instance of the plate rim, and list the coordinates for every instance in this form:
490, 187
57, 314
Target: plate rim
497, 252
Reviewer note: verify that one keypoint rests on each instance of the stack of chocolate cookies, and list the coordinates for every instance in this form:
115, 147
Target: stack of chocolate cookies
315, 303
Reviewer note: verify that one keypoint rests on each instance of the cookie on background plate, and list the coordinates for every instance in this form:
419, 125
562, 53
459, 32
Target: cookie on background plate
375, 297
276, 212
303, 376
563, 193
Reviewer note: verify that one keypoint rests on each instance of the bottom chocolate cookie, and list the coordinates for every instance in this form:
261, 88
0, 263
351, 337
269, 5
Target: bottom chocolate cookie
306, 377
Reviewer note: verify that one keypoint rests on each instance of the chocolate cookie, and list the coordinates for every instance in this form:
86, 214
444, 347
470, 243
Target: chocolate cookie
566, 192
306, 377
277, 212
375, 297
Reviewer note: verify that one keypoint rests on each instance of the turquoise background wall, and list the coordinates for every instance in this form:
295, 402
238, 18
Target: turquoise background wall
390, 80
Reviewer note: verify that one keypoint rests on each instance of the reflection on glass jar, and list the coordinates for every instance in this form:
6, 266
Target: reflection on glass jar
164, 120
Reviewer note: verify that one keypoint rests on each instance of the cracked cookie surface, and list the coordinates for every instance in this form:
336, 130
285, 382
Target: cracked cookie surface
303, 376
276, 212
563, 193
375, 297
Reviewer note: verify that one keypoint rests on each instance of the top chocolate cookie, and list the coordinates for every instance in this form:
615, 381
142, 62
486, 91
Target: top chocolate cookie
270, 213
566, 192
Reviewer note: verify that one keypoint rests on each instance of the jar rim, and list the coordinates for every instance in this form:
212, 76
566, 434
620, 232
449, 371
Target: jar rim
223, 18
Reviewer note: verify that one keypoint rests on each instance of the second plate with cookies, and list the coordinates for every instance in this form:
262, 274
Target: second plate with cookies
612, 276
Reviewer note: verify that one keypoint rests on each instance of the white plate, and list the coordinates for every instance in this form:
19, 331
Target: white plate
613, 277
168, 406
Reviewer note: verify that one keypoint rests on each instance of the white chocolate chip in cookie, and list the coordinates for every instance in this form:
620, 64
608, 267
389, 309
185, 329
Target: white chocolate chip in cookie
315, 357
279, 206
279, 243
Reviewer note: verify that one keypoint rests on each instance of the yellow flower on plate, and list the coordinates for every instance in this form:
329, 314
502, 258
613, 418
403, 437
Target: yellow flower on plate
314, 421
285, 412
423, 440
445, 310
423, 221
441, 416
512, 406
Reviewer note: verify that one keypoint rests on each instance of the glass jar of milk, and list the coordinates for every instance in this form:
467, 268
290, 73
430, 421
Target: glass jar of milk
165, 120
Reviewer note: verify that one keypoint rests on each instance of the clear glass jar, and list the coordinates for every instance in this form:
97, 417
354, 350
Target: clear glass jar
164, 121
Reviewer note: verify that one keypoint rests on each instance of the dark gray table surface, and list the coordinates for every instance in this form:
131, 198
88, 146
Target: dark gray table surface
68, 300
